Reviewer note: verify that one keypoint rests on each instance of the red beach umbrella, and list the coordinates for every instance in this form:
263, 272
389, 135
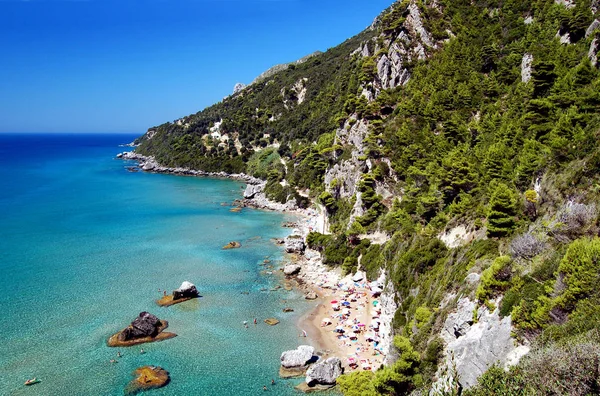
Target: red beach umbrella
334, 302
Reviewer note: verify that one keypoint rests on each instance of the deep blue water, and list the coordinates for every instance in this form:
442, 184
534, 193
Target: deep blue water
85, 246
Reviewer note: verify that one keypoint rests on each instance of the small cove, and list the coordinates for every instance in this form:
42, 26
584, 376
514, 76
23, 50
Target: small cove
86, 248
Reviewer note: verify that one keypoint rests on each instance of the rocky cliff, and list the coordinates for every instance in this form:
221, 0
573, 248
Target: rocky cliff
452, 146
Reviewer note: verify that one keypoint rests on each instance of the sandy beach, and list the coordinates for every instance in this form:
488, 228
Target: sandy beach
345, 320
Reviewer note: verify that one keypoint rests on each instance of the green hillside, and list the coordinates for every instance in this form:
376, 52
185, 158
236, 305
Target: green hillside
481, 114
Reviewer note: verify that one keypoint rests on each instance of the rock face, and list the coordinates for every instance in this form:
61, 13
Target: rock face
253, 189
298, 358
526, 68
294, 244
238, 87
187, 289
324, 373
291, 269
593, 52
477, 346
145, 325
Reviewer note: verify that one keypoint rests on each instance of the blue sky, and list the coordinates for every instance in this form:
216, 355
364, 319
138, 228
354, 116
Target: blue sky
124, 66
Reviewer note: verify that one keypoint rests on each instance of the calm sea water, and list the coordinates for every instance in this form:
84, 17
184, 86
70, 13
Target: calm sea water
85, 246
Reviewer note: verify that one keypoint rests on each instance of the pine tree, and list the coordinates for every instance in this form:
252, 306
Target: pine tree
502, 211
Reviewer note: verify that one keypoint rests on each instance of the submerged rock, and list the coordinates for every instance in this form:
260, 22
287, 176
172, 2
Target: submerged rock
232, 245
148, 377
324, 373
271, 321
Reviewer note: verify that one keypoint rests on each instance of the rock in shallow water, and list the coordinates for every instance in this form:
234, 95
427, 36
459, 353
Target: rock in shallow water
145, 325
298, 358
291, 269
145, 328
148, 377
232, 245
187, 289
324, 373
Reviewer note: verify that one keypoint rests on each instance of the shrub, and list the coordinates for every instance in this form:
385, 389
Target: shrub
579, 269
569, 368
526, 246
573, 220
494, 279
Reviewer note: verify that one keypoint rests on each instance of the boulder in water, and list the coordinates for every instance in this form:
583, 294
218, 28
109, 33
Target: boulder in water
324, 373
187, 289
145, 328
298, 358
291, 269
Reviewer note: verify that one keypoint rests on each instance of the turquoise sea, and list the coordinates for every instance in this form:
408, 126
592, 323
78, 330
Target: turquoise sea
85, 246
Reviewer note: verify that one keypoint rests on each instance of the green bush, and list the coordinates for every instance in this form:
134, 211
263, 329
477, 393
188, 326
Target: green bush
495, 279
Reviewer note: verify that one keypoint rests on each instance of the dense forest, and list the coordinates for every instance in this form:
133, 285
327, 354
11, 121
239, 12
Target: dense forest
483, 114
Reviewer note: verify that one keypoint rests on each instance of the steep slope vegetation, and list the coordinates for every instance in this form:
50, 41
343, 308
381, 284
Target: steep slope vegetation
466, 132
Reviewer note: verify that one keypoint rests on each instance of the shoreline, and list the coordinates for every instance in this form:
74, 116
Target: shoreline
314, 276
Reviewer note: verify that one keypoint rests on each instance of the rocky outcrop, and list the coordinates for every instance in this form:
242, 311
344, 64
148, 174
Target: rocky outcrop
145, 328
566, 3
253, 189
388, 307
149, 164
232, 245
294, 244
147, 377
271, 321
526, 68
238, 88
186, 290
459, 236
291, 269
476, 339
311, 296
299, 358
592, 28
325, 372
593, 52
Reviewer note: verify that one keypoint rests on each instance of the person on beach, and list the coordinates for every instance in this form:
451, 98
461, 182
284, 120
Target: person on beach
142, 351
118, 354
165, 293
254, 320
264, 387
272, 382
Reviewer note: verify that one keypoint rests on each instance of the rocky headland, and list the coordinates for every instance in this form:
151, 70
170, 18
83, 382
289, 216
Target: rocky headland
145, 328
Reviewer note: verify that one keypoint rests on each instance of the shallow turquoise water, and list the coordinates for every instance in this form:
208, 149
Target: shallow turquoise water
85, 247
